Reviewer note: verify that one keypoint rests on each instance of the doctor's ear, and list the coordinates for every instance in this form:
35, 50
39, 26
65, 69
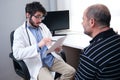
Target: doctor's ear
27, 15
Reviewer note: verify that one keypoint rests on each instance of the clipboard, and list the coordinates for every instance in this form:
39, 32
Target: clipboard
56, 44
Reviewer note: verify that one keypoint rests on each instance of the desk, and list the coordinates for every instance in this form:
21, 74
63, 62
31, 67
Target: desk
73, 46
72, 55
77, 41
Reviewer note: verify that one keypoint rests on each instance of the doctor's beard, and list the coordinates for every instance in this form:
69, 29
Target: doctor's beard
33, 23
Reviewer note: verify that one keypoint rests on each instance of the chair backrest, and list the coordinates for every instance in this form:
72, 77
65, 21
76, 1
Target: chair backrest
19, 65
11, 38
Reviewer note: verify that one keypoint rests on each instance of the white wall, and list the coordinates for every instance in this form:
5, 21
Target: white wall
77, 7
63, 4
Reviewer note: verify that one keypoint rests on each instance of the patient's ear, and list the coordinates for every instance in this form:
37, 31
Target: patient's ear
92, 22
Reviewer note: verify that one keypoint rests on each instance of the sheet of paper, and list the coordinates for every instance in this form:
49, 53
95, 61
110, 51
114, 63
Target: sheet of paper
56, 44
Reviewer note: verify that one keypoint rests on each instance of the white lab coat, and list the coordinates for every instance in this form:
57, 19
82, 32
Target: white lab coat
23, 51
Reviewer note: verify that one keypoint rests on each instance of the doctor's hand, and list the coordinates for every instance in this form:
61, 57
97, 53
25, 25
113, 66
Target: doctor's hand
58, 49
45, 41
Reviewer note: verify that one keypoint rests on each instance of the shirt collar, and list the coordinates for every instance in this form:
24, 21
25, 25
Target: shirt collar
31, 27
103, 35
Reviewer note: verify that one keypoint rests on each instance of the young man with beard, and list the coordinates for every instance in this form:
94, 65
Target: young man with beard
31, 40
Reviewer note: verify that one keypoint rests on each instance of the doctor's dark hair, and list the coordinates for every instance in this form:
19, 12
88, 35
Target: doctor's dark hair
33, 7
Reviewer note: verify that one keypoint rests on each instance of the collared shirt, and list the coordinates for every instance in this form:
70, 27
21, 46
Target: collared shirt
47, 59
101, 59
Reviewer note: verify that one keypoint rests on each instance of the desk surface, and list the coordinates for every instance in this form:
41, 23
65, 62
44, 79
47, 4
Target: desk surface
76, 41
73, 44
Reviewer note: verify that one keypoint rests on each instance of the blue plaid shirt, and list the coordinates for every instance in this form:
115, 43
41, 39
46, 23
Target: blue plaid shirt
47, 59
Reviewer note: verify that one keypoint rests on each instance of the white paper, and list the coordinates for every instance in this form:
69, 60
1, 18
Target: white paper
56, 44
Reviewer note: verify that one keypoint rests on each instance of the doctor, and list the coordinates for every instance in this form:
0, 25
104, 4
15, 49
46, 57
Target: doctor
31, 40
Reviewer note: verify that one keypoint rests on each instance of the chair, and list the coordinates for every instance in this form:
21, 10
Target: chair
19, 65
